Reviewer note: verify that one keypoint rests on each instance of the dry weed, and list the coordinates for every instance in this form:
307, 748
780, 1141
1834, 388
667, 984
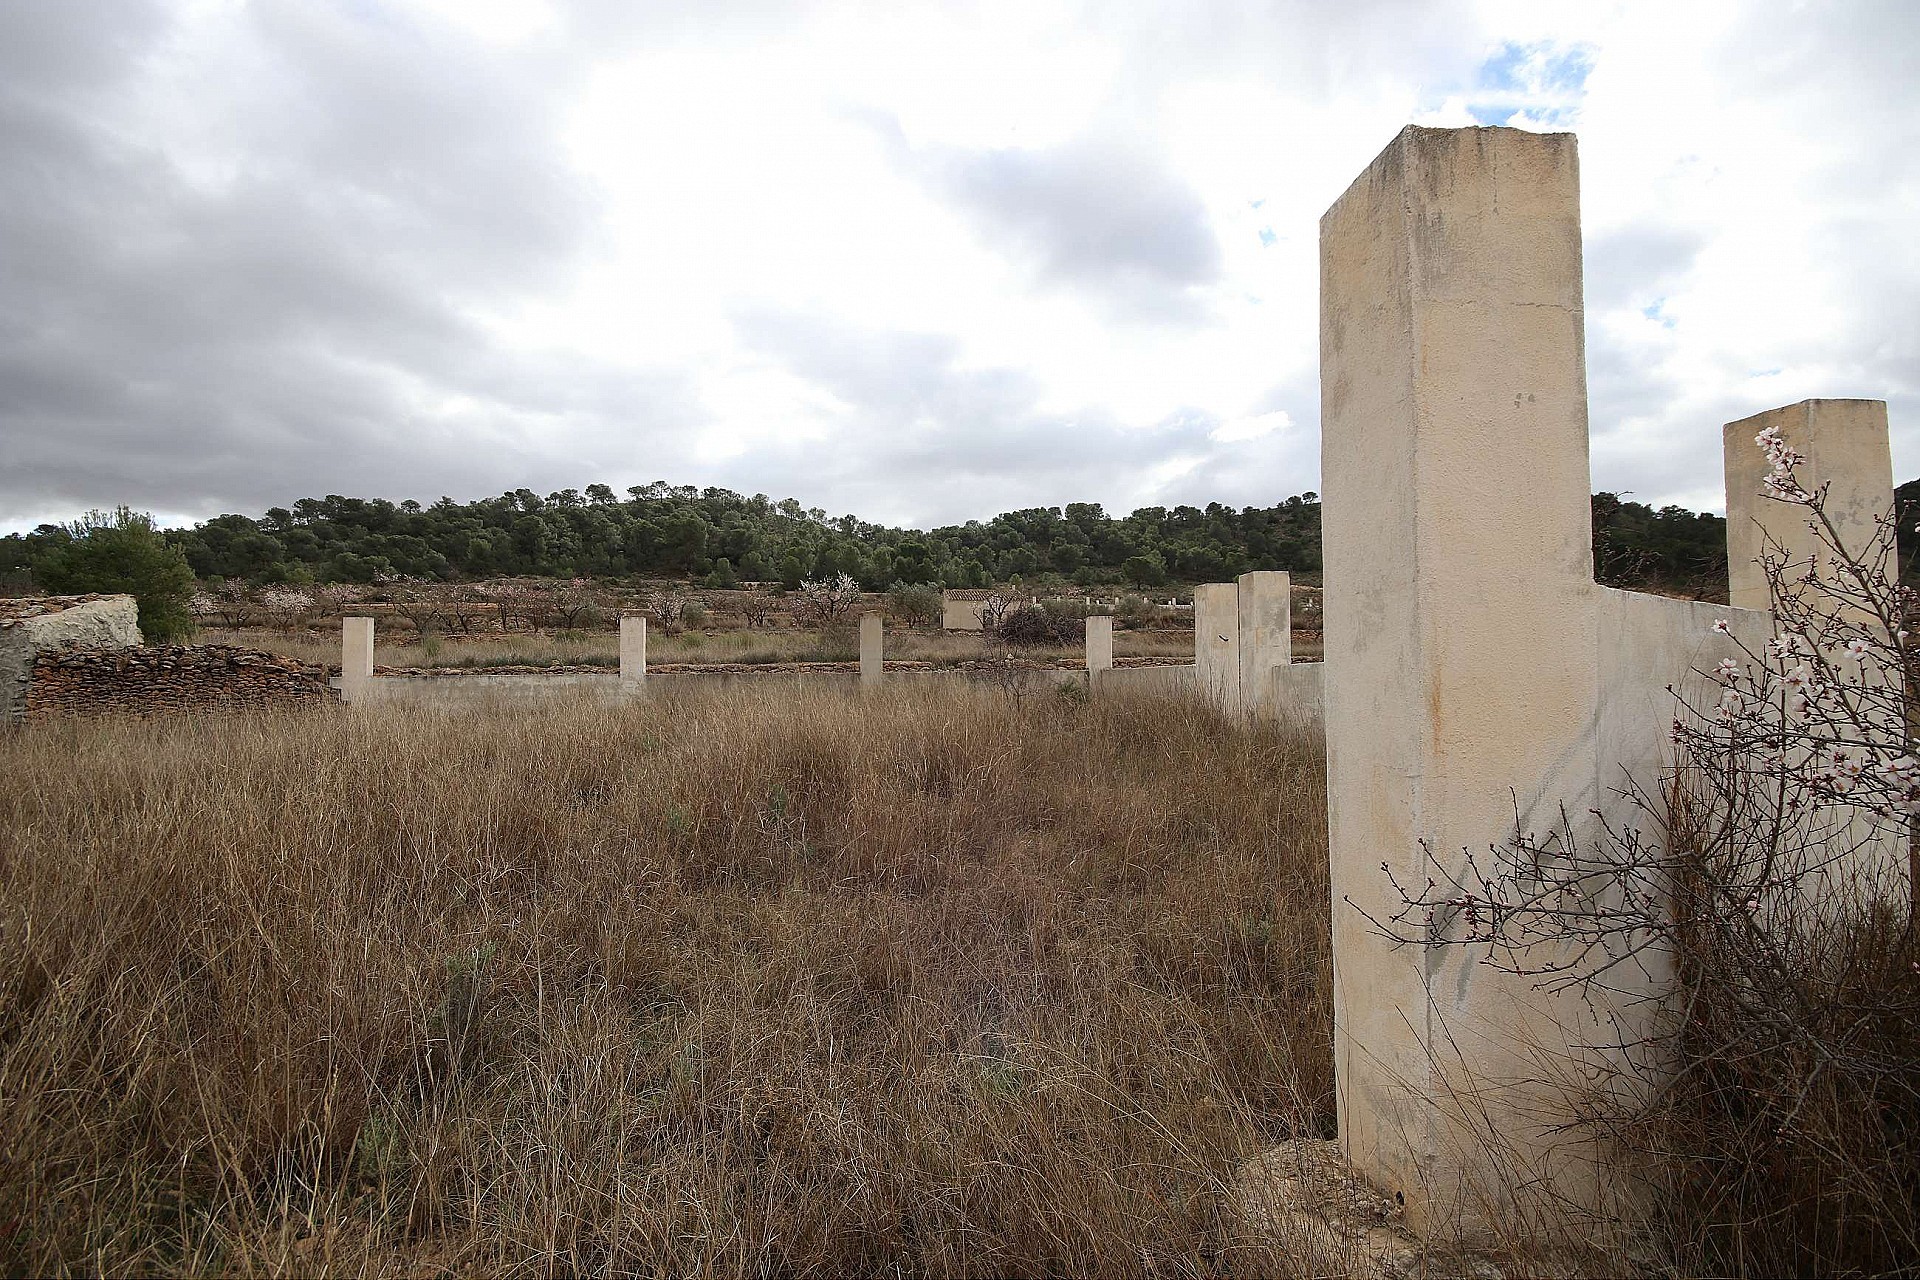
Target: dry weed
718, 984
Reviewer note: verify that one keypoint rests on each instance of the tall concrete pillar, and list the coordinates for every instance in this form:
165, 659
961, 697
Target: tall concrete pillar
873, 666
1461, 662
1216, 644
1099, 643
1266, 636
356, 658
1846, 450
633, 654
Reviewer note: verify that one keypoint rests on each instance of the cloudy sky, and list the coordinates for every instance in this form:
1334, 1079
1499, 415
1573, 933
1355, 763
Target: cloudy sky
919, 262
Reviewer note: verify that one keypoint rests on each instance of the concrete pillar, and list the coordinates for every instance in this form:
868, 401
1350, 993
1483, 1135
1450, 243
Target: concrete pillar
1266, 636
1845, 444
633, 654
1099, 643
356, 658
1461, 662
1216, 644
873, 666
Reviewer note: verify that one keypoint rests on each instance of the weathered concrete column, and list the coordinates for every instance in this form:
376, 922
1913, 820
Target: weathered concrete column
1846, 447
1461, 665
633, 654
356, 658
1099, 643
1216, 644
1266, 636
873, 665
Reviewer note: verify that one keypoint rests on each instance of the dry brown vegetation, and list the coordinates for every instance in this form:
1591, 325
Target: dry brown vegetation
602, 648
924, 981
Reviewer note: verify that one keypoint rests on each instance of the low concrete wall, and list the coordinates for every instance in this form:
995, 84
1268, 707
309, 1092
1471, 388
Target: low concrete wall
45, 623
1651, 646
1296, 695
477, 688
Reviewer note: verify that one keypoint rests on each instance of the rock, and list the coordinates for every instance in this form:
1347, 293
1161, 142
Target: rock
1304, 1197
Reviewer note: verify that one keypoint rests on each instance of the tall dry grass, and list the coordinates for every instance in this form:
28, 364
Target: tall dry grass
919, 982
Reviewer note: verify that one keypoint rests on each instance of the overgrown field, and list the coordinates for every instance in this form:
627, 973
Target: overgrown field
723, 984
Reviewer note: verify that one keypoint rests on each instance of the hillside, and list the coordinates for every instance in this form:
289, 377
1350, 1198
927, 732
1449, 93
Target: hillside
717, 536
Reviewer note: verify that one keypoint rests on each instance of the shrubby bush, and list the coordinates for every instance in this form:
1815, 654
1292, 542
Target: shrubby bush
1038, 625
122, 552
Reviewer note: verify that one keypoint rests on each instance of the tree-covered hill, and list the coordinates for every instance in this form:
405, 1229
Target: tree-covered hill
717, 537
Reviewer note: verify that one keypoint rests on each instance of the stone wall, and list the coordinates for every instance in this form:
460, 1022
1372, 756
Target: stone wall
163, 678
33, 625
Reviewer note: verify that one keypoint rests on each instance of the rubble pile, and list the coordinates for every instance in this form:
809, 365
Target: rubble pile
149, 680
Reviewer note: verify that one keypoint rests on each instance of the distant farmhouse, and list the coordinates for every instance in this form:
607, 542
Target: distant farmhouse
961, 610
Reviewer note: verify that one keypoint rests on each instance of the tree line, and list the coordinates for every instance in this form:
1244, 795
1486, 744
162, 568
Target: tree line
719, 538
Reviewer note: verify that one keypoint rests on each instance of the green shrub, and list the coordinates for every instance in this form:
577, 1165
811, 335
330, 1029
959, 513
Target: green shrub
122, 552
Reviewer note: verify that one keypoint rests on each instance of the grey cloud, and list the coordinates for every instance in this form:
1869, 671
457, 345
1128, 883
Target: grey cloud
43, 48
1091, 215
275, 306
1637, 265
930, 441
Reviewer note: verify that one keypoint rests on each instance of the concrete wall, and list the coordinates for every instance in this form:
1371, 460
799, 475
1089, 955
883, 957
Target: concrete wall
1242, 635
1847, 451
633, 654
103, 622
481, 688
1651, 646
1265, 601
1296, 695
873, 664
1477, 681
1099, 642
1216, 644
1462, 667
356, 657
960, 615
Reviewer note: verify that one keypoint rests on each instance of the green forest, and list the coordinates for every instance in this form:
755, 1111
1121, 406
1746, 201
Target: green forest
719, 538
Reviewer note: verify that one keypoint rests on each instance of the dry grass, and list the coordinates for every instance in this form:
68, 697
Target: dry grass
602, 648
922, 982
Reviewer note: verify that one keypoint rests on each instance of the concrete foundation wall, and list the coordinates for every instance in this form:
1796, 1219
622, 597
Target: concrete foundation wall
482, 688
105, 622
